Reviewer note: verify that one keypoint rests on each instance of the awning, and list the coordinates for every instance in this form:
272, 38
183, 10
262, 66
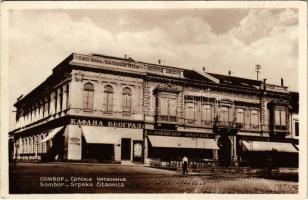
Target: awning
52, 134
182, 142
268, 146
100, 135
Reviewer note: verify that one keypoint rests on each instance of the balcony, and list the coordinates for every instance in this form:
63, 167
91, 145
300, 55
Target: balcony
280, 127
166, 119
224, 124
225, 128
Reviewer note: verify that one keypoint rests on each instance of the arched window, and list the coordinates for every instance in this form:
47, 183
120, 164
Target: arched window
108, 98
126, 99
88, 95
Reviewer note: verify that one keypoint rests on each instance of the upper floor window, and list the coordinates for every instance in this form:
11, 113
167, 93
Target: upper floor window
206, 113
67, 92
189, 110
172, 106
43, 108
163, 106
126, 99
280, 117
61, 98
168, 106
108, 98
88, 95
296, 128
48, 106
240, 116
224, 114
56, 101
254, 117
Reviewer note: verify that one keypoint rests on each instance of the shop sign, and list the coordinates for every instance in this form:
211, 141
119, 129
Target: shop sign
75, 140
108, 123
180, 134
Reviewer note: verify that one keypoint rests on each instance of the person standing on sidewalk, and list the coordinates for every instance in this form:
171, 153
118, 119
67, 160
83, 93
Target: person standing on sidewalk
185, 164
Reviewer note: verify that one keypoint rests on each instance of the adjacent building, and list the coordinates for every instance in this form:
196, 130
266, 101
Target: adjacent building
118, 110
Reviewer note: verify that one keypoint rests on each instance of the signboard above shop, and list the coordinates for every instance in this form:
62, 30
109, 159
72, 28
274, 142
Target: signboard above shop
180, 134
107, 123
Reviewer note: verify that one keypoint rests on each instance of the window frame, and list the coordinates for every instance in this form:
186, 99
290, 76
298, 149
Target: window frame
126, 100
88, 96
108, 98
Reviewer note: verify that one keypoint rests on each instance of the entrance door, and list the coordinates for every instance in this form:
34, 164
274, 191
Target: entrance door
125, 148
224, 152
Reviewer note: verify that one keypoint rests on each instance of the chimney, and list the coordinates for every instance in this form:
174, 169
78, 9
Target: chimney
203, 68
229, 72
281, 81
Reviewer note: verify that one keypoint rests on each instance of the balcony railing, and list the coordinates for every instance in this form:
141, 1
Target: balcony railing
166, 118
280, 127
224, 124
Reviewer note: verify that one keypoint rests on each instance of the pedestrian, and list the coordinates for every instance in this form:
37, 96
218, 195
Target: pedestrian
185, 164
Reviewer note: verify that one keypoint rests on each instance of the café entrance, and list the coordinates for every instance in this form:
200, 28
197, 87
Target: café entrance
224, 152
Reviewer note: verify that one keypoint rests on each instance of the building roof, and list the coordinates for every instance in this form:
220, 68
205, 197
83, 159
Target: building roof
225, 79
190, 74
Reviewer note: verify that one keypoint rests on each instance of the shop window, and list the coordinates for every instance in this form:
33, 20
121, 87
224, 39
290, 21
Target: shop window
88, 96
44, 144
296, 129
30, 145
126, 99
26, 145
108, 98
39, 146
280, 119
34, 144
240, 117
206, 113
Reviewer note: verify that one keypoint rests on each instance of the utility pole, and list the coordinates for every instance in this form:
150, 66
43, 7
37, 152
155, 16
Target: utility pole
258, 70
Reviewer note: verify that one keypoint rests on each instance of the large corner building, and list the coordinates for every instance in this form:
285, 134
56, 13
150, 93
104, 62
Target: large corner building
118, 110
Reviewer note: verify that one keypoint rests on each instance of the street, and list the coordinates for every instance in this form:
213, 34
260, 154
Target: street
43, 178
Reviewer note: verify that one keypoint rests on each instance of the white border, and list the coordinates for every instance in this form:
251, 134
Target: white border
300, 5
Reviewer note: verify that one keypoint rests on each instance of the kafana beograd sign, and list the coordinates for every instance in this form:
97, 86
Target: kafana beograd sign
106, 123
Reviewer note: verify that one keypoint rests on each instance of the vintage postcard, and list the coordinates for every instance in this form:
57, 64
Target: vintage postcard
130, 99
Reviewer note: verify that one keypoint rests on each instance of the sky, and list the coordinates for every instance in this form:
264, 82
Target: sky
217, 39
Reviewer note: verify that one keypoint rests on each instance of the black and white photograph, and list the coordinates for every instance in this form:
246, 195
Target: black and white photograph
155, 98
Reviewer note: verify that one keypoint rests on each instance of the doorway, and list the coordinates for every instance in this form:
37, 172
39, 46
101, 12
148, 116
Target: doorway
137, 151
125, 148
224, 152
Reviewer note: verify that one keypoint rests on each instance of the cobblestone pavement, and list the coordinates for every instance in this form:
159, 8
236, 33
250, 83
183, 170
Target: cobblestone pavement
28, 178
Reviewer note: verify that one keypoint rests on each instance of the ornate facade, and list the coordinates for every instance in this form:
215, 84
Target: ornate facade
102, 108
